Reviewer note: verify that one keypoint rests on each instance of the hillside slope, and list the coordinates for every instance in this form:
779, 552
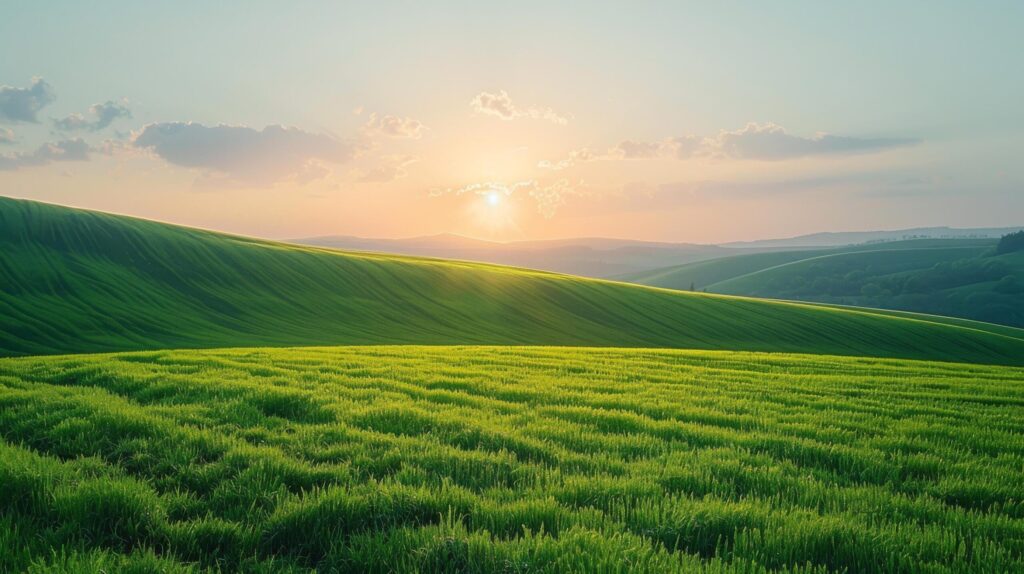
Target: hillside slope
80, 281
710, 273
589, 257
945, 281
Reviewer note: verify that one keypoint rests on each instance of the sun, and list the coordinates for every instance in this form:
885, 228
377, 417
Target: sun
493, 198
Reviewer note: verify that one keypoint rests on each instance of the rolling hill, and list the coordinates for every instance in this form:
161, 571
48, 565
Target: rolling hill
81, 281
589, 257
612, 258
709, 274
963, 278
438, 458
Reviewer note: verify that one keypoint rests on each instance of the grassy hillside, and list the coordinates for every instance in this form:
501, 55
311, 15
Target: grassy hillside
942, 277
79, 281
1005, 330
430, 459
982, 286
702, 274
589, 257
709, 274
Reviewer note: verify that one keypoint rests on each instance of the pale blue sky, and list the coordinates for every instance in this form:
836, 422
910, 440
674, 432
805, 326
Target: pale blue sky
948, 76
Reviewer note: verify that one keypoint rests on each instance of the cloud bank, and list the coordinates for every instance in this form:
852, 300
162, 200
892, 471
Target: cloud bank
758, 142
243, 154
23, 104
101, 116
770, 142
500, 106
66, 150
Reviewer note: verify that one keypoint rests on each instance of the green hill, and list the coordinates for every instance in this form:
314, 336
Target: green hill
499, 460
961, 277
981, 286
1015, 332
708, 274
81, 281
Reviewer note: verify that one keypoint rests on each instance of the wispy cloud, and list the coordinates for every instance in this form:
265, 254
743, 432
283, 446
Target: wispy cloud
500, 106
66, 150
770, 142
484, 188
630, 149
395, 126
575, 156
100, 116
23, 104
243, 154
640, 196
547, 196
759, 142
6, 136
391, 168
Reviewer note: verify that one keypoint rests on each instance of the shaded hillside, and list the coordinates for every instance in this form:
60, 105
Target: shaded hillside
963, 277
984, 287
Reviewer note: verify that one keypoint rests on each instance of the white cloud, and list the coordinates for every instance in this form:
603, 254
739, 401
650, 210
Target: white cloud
243, 154
66, 150
395, 127
102, 115
23, 104
684, 147
500, 105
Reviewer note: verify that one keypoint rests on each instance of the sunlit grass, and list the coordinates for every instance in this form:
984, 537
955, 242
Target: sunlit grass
473, 459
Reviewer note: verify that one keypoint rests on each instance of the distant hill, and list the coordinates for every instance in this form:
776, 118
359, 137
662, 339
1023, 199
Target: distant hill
963, 278
708, 273
834, 239
613, 258
80, 281
589, 257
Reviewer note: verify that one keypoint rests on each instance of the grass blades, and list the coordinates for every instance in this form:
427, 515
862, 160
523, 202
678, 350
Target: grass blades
491, 459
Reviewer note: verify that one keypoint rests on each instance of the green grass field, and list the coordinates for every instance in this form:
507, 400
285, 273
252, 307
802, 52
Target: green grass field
594, 455
492, 459
79, 281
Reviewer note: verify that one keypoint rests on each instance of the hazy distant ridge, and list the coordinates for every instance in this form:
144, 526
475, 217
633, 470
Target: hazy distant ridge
606, 257
835, 239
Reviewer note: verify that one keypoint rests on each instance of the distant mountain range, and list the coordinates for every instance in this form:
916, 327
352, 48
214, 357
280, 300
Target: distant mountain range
605, 257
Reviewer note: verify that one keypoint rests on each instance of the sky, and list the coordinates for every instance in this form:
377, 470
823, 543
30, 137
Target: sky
671, 121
